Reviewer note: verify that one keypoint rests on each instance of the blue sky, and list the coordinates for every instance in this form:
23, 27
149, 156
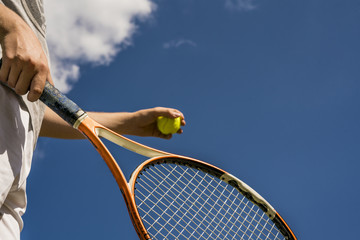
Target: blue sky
270, 92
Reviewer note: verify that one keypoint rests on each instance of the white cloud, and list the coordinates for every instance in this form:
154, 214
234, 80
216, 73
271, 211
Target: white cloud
179, 42
240, 5
83, 31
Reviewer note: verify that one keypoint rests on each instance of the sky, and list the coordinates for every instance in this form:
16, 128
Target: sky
269, 90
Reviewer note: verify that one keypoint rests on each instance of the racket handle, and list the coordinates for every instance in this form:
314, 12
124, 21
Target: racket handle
60, 104
63, 106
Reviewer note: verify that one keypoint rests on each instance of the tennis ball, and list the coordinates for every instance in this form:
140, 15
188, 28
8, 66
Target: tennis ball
168, 125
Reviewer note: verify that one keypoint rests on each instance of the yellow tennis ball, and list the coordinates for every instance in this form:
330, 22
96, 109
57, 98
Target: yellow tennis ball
168, 125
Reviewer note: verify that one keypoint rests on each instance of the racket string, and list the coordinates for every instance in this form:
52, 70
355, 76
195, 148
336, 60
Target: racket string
154, 204
177, 202
256, 213
178, 207
193, 199
230, 193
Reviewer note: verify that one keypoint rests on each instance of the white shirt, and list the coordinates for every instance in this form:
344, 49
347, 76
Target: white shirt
20, 122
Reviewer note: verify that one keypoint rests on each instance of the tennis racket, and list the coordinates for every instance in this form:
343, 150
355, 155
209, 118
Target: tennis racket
174, 197
170, 196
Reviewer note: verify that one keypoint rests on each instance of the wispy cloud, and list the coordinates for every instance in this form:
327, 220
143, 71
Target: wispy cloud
240, 5
178, 43
85, 31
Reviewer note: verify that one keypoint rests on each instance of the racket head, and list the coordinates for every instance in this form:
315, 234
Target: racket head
183, 198
224, 207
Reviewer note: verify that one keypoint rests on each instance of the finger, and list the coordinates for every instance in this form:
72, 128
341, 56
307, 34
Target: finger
23, 83
183, 122
171, 113
176, 113
168, 112
4, 71
13, 76
36, 87
168, 136
157, 133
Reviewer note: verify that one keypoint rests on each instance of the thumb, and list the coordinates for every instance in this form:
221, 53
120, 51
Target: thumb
167, 112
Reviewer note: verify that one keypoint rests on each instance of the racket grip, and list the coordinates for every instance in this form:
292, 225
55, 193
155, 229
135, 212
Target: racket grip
62, 105
59, 103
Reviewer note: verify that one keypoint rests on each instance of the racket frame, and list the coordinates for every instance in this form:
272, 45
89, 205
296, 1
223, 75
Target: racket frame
235, 182
79, 119
95, 131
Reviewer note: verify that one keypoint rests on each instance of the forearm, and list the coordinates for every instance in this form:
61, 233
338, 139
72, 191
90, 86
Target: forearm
55, 127
140, 123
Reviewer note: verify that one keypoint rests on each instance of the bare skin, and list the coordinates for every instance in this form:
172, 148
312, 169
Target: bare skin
139, 123
24, 63
25, 69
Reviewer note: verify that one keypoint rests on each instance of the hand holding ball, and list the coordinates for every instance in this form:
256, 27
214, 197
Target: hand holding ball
168, 125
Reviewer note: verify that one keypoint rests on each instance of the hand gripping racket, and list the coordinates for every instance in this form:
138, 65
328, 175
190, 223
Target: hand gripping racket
174, 197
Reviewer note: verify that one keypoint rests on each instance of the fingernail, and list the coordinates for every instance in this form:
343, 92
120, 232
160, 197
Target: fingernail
176, 114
